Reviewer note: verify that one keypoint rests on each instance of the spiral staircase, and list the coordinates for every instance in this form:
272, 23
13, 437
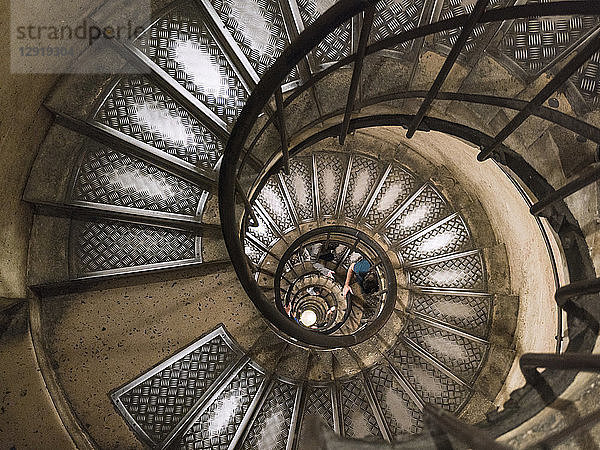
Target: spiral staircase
218, 170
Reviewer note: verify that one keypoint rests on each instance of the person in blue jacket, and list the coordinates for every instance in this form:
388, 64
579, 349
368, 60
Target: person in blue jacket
360, 279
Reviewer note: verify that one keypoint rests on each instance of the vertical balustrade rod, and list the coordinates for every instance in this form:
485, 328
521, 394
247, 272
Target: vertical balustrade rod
466, 31
470, 435
247, 206
576, 288
588, 50
589, 176
282, 130
356, 73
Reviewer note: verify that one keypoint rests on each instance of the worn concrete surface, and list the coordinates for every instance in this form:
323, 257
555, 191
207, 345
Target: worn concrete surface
23, 125
100, 340
28, 419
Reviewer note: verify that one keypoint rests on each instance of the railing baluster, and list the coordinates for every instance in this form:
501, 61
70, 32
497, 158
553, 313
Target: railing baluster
576, 288
282, 130
467, 29
588, 50
247, 206
588, 177
582, 362
468, 434
356, 73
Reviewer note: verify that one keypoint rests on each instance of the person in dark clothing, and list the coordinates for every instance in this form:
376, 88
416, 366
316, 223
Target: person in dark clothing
361, 281
363, 275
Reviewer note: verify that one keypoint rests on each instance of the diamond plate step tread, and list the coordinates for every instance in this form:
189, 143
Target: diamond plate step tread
181, 44
363, 176
358, 418
263, 232
219, 423
271, 427
401, 414
109, 177
425, 209
395, 189
461, 272
319, 402
258, 28
394, 17
471, 313
453, 8
535, 43
155, 403
432, 385
463, 356
300, 186
448, 237
272, 199
330, 169
337, 44
105, 246
253, 252
587, 81
138, 108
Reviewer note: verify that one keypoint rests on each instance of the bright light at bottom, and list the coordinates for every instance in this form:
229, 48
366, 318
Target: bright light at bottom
308, 318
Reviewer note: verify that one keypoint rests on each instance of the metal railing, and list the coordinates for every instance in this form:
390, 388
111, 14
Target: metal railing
240, 147
353, 242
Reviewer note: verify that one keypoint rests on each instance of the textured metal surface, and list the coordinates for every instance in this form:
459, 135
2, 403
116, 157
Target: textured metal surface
163, 397
461, 355
396, 16
364, 174
464, 272
587, 81
468, 312
299, 184
181, 44
101, 246
319, 403
336, 44
217, 426
271, 427
331, 168
432, 385
358, 418
138, 108
109, 177
395, 189
272, 199
255, 254
263, 232
258, 28
425, 209
447, 237
371, 307
401, 414
453, 8
535, 43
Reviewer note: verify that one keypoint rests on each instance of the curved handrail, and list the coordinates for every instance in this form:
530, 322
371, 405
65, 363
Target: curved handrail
495, 15
292, 55
390, 278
